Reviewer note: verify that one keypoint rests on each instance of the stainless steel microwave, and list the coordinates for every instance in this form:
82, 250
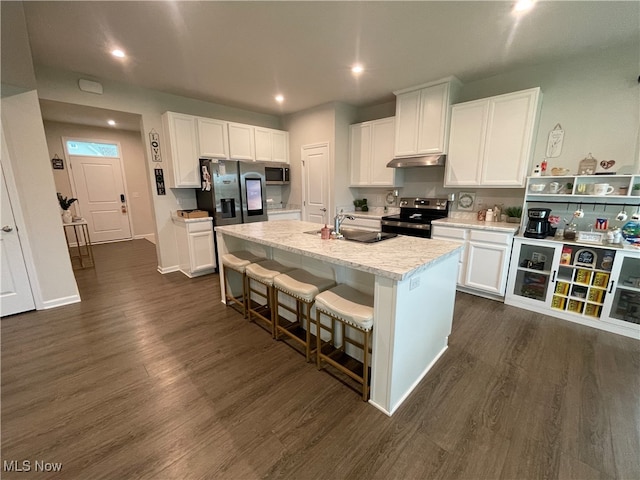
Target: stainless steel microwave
277, 174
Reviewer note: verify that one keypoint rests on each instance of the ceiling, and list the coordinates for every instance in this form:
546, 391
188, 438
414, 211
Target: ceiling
242, 54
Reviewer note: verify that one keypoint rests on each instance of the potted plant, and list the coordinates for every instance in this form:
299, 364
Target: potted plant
361, 205
635, 190
65, 203
513, 214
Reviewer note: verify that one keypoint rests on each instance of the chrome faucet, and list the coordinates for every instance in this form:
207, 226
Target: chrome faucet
338, 219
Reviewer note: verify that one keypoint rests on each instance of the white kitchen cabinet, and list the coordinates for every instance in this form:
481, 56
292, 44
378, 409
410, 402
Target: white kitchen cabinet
371, 148
369, 224
213, 138
271, 145
588, 284
491, 140
484, 262
196, 248
284, 214
422, 118
242, 141
181, 133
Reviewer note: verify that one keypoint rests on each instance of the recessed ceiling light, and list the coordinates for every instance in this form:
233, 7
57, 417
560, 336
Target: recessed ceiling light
118, 53
523, 6
357, 69
111, 122
279, 98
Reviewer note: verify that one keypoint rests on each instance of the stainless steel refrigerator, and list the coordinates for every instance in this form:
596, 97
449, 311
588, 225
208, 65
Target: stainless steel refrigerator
232, 192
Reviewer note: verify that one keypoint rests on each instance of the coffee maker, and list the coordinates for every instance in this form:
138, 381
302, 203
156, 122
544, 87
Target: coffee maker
538, 225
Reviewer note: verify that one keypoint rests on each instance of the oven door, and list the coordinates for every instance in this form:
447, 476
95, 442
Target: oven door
405, 228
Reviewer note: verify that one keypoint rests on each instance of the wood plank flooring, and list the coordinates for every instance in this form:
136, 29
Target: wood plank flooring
151, 377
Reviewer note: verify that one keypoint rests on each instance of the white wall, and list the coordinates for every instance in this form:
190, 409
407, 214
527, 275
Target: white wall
48, 262
150, 104
17, 66
133, 159
594, 97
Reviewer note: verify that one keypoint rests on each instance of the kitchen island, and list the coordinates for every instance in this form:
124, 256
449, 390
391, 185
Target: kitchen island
413, 281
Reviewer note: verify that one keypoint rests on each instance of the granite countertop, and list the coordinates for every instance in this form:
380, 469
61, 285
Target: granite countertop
478, 224
178, 218
396, 258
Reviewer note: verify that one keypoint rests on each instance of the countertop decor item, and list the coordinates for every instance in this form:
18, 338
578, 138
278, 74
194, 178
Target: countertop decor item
554, 142
559, 171
466, 201
588, 165
513, 214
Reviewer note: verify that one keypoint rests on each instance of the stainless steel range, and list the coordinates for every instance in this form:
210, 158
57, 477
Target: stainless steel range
415, 216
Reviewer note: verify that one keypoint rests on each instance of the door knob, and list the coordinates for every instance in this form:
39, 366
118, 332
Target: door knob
7, 228
323, 209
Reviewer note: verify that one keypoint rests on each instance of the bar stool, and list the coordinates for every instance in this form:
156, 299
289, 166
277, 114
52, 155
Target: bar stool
238, 261
264, 272
349, 307
303, 287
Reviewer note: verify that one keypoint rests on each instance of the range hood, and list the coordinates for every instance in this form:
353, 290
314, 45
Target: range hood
423, 161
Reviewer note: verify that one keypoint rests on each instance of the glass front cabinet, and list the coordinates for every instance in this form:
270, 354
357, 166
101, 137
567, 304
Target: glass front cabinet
592, 285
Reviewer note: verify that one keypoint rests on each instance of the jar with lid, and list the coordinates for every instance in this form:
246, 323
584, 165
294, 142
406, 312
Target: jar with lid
489, 216
570, 231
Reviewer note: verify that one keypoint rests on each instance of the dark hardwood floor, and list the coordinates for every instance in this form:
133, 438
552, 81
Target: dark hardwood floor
151, 377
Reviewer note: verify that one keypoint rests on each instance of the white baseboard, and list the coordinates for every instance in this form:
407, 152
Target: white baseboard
164, 270
151, 237
59, 302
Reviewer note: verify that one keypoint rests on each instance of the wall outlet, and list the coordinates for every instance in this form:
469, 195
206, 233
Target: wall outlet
378, 199
414, 283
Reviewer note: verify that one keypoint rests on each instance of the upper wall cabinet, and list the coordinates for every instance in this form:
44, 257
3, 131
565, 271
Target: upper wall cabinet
242, 142
422, 118
180, 131
213, 138
491, 140
271, 145
371, 145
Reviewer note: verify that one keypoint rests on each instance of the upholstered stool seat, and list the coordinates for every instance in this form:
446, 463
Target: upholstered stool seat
264, 272
351, 307
303, 287
237, 261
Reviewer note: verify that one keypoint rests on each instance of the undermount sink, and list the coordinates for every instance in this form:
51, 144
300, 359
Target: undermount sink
359, 235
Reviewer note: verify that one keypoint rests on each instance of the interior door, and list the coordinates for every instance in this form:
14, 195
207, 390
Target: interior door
15, 289
315, 172
99, 187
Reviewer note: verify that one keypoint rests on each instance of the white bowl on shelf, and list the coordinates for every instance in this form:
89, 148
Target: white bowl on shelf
537, 187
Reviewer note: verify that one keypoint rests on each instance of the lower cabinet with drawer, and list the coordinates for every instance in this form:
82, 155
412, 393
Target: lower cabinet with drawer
484, 262
196, 248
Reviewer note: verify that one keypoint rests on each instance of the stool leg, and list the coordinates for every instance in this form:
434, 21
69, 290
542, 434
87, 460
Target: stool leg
273, 308
318, 341
308, 315
276, 324
245, 294
365, 367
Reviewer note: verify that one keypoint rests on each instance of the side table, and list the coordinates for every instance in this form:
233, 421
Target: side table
83, 250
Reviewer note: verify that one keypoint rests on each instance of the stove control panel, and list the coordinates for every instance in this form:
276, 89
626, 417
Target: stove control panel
430, 203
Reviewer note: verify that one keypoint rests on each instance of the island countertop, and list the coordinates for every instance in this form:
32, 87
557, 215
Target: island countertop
395, 258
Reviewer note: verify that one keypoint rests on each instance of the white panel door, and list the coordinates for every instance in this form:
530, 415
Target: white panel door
407, 121
382, 145
15, 289
509, 132
466, 143
434, 102
487, 267
315, 171
99, 187
213, 138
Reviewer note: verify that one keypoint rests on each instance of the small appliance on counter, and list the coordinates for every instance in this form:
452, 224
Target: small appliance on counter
538, 225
